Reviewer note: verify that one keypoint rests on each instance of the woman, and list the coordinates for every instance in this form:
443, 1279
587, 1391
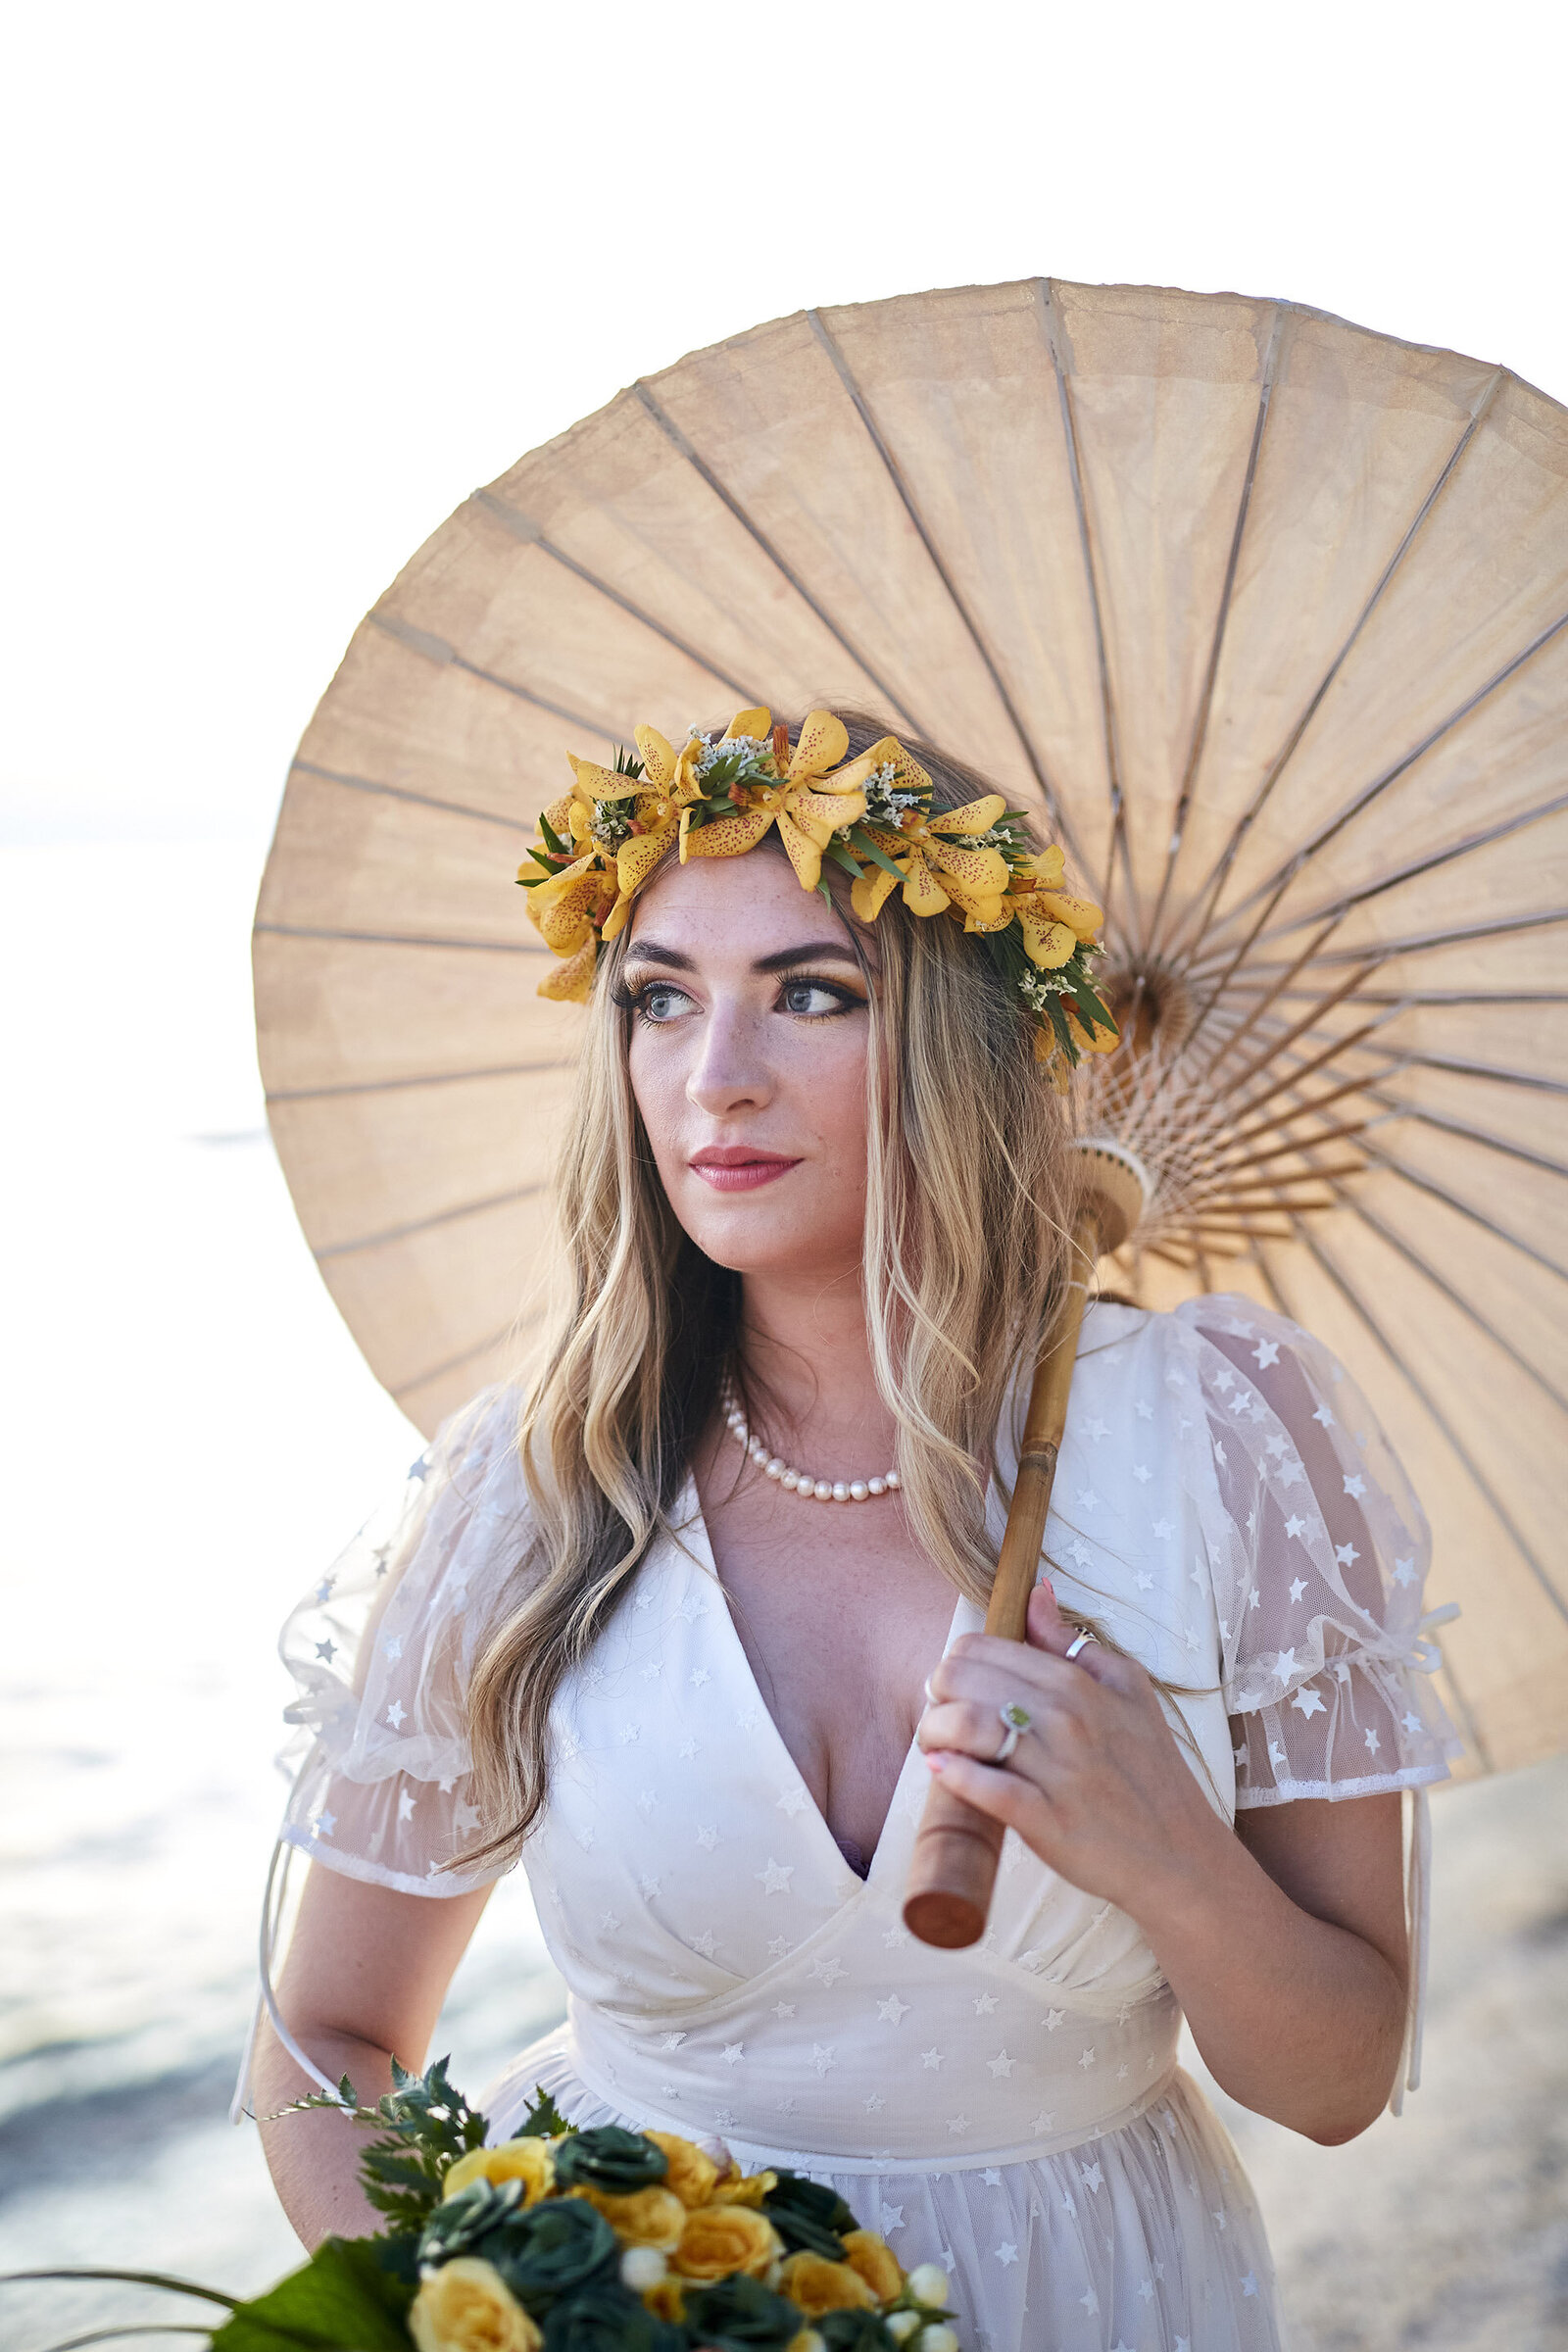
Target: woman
814, 1204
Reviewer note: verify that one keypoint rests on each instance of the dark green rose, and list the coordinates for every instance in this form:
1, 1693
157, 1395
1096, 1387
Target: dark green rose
550, 2250
458, 2223
854, 2332
608, 2319
809, 2219
740, 2315
610, 2160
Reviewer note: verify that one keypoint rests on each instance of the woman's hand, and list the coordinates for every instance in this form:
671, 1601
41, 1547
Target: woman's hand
1097, 1786
1285, 1945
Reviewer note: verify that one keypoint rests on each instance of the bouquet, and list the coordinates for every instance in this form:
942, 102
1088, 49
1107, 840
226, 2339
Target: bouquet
561, 2240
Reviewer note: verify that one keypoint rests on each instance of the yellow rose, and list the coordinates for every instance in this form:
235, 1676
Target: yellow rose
666, 2301
721, 2238
815, 2285
526, 2160
741, 2189
691, 2175
877, 2263
466, 2306
645, 2217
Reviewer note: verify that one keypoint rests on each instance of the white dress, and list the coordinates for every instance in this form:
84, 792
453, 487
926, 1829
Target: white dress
1226, 1505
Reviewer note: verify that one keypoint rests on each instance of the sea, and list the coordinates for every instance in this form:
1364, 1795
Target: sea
190, 1436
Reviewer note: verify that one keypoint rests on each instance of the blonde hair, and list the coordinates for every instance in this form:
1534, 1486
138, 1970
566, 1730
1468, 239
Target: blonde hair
966, 1242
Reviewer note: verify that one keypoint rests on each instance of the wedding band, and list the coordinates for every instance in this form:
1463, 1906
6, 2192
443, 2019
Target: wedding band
931, 1698
1014, 1720
1079, 1642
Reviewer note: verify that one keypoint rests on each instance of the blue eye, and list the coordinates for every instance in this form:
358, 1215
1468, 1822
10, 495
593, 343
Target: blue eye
662, 1002
812, 999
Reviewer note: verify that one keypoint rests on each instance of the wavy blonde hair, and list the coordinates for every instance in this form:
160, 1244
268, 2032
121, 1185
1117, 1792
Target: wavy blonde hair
966, 1242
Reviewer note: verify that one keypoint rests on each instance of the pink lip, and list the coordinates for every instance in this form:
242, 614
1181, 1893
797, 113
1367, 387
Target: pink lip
738, 1168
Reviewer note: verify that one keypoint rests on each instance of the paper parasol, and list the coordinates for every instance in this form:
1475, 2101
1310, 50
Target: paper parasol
1267, 615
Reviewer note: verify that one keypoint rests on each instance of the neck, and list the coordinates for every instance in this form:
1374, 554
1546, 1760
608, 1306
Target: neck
804, 1346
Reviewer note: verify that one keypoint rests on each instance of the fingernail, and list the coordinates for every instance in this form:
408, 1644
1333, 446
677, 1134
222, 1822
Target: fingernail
936, 1761
1047, 1586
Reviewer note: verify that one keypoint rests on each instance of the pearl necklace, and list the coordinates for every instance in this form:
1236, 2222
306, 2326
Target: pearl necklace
800, 1482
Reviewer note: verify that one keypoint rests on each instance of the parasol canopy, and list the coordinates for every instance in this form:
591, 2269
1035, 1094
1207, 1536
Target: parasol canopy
1264, 615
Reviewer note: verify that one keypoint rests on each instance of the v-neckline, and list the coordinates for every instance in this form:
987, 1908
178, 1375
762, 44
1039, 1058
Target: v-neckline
690, 1525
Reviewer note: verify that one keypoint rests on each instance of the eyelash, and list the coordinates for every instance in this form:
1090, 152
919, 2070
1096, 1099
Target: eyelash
635, 1000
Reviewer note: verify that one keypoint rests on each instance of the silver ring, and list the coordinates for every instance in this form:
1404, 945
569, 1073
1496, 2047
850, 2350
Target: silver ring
1014, 1721
1079, 1642
931, 1698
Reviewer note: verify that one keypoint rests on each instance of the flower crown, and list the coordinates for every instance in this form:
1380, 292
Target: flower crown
871, 817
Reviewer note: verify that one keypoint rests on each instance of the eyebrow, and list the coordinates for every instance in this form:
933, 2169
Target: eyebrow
814, 951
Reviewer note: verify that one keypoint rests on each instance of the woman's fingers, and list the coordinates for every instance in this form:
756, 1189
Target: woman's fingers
967, 1726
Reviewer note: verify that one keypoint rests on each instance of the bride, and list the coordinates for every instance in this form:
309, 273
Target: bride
812, 1207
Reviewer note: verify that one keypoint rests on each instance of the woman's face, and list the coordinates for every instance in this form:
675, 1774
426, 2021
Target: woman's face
749, 1038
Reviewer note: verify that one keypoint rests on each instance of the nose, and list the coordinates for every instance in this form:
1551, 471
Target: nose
730, 1072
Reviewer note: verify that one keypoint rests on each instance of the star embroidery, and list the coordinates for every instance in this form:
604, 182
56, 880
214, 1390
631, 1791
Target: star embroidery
629, 1734
1144, 1412
733, 2053
325, 1824
1266, 1353
823, 2056
1088, 1499
1371, 1740
1091, 2175
932, 2059
876, 2103
465, 1819
791, 1801
1295, 1526
1405, 1572
1089, 2301
647, 1799
649, 1888
1080, 1552
991, 2176
392, 1646
1323, 1417
324, 1590
706, 1836
1007, 2253
1355, 1486
783, 2009
1053, 2019
827, 1972
644, 1600
690, 1609
1146, 1582
892, 2218
395, 1714
686, 1751
1001, 2064
893, 2010
775, 1879
1096, 1430
779, 1948
1307, 1702
1411, 1723
1346, 1554
1297, 1587
1163, 1530
1249, 2284
1225, 1380
1285, 1665
1043, 2124
699, 1676
326, 1651
1276, 1755
958, 2123
704, 1943
1290, 1474
1142, 1473
1183, 2344
1241, 1402
405, 1805
985, 2002
1087, 2060
608, 1923
1146, 2290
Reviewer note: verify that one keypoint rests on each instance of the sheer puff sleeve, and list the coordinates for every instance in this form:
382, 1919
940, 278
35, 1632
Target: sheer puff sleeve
1325, 1655
381, 1652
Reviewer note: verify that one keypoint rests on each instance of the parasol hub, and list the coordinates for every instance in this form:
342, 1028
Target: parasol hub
1117, 1186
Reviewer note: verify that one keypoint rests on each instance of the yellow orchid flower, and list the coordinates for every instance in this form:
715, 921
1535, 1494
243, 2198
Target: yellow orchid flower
1051, 921
927, 844
806, 820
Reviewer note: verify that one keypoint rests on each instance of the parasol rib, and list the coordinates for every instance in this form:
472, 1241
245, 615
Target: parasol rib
1460, 1450
512, 520
441, 1216
446, 657
1539, 1085
726, 497
1421, 943
890, 465
404, 939
401, 792
1274, 887
392, 1086
1207, 896
1447, 1125
1051, 327
1184, 797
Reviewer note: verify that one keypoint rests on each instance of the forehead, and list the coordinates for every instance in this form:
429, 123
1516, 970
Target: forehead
734, 907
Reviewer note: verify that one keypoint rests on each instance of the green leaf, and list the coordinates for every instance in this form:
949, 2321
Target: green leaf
347, 2298
552, 841
544, 2118
865, 847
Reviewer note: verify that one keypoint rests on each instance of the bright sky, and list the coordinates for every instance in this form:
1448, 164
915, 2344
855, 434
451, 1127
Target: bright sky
285, 283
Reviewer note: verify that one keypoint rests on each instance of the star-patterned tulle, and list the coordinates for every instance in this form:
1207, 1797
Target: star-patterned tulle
1227, 1508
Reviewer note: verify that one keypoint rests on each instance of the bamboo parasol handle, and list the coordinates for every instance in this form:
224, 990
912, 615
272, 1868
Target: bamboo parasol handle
956, 1849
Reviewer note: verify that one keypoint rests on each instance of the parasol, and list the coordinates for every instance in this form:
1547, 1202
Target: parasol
1265, 615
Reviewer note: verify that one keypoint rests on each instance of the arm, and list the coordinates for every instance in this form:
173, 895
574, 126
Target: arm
1284, 1941
364, 1980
